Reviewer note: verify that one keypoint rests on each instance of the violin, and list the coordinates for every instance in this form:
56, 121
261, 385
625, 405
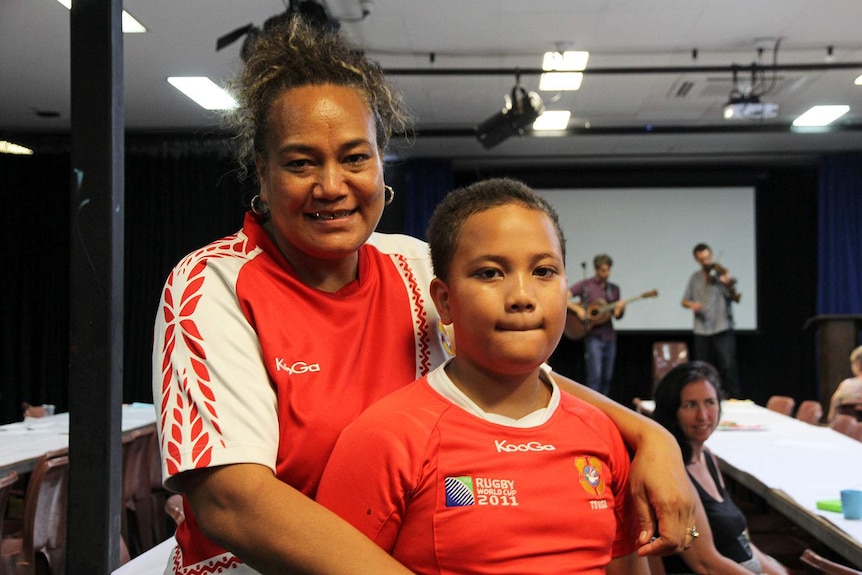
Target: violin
716, 270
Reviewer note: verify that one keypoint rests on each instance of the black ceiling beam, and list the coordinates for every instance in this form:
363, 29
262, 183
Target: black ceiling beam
727, 128
729, 69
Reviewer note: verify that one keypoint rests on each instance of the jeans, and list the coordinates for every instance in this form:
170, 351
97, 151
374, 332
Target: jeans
599, 355
720, 350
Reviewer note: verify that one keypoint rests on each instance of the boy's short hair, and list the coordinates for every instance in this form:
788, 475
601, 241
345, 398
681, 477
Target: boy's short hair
444, 229
856, 355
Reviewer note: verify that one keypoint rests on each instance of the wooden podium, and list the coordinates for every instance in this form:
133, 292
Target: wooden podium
837, 335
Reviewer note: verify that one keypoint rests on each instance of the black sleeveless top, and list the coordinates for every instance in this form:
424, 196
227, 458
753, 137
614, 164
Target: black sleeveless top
729, 529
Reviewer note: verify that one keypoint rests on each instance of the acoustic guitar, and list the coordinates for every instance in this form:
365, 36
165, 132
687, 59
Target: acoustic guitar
580, 320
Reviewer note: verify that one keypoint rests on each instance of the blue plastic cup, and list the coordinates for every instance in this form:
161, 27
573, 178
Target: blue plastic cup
851, 503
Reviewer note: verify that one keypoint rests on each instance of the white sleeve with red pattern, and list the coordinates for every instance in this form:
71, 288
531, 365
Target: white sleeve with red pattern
216, 403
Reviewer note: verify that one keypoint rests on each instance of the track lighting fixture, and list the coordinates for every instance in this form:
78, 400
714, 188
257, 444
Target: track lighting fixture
521, 110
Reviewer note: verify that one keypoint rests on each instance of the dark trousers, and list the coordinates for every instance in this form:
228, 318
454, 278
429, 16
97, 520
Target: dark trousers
720, 350
599, 356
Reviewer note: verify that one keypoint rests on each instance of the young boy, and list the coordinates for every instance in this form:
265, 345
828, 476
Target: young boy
484, 466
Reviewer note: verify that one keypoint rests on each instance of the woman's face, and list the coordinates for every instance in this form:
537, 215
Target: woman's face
321, 174
698, 410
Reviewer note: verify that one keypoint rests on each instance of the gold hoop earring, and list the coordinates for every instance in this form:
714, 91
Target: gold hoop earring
259, 207
391, 197
448, 341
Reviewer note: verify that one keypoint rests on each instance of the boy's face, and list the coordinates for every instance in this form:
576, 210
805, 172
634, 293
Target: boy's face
507, 290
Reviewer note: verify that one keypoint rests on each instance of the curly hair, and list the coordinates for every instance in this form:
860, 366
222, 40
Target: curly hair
294, 53
668, 397
448, 218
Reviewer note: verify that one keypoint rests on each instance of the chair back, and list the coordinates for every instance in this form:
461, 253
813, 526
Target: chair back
6, 483
825, 565
136, 527
665, 356
45, 509
782, 404
852, 408
845, 424
810, 411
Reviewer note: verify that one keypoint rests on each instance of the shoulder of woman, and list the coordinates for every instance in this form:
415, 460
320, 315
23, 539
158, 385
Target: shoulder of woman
399, 244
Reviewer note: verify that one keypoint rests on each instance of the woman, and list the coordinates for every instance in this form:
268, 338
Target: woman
268, 342
688, 404
850, 389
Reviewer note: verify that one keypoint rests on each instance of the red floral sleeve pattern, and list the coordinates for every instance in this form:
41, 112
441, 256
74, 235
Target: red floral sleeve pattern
185, 379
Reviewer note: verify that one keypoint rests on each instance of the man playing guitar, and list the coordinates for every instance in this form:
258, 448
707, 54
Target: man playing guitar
600, 341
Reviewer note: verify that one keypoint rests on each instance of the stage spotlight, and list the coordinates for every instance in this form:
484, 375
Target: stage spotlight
521, 110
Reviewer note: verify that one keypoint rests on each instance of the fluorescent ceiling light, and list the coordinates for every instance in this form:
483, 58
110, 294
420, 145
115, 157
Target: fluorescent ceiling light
564, 70
203, 91
569, 61
552, 120
130, 25
12, 148
559, 81
820, 116
858, 81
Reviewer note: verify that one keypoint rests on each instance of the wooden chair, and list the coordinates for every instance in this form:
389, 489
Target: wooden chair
810, 411
6, 484
852, 408
41, 548
782, 404
825, 565
665, 356
162, 525
136, 523
845, 424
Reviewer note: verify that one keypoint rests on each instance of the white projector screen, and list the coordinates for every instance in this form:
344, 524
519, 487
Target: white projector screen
649, 233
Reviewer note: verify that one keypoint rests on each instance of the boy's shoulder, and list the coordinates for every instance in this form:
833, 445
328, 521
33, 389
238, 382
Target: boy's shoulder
414, 405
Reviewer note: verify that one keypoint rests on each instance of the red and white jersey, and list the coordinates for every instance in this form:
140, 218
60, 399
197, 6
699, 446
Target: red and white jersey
253, 366
445, 491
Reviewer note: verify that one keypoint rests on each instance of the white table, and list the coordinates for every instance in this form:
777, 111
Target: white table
792, 465
23, 442
151, 562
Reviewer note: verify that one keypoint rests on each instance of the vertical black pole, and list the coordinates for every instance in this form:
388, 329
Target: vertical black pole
96, 298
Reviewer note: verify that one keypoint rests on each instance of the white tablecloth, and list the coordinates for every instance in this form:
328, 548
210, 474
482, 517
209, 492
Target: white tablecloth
809, 463
26, 441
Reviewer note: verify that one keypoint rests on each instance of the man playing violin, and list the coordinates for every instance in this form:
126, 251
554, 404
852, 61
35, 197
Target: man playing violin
710, 294
600, 342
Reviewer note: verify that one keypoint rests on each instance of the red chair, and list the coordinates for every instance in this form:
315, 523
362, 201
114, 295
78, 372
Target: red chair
810, 411
845, 424
782, 404
41, 548
665, 356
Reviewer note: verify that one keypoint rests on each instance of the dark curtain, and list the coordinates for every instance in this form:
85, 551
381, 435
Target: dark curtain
426, 182
179, 196
34, 302
839, 285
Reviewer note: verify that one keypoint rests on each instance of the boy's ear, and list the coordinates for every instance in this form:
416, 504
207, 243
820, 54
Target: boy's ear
440, 295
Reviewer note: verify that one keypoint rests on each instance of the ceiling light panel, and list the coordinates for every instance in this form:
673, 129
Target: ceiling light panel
130, 24
820, 116
204, 92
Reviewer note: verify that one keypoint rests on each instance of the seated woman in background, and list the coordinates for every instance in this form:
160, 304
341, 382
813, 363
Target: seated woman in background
849, 390
688, 404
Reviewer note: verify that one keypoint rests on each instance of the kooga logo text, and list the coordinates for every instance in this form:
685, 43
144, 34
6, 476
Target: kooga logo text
504, 447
